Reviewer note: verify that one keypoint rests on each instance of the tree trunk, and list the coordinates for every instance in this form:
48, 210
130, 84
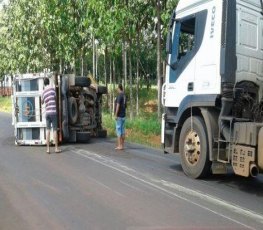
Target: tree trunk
93, 58
114, 80
74, 64
124, 61
82, 62
85, 64
130, 78
137, 72
96, 59
60, 65
105, 75
111, 93
164, 71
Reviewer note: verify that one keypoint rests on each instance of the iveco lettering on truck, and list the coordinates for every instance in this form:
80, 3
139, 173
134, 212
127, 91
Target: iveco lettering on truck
213, 90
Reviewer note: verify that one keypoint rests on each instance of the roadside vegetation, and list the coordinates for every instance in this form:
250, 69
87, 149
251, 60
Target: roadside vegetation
5, 104
144, 127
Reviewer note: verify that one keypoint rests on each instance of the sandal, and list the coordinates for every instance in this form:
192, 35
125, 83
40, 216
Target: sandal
58, 151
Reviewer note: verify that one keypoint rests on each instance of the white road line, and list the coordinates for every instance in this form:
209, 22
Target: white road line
132, 187
44, 184
107, 187
152, 182
137, 150
214, 200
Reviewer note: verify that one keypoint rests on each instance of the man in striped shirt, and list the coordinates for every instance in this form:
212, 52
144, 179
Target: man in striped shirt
49, 98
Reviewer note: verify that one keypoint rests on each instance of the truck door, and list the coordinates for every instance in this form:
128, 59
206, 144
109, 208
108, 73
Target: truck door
181, 70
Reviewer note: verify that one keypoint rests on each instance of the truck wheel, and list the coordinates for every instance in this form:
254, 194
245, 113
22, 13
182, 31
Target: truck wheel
82, 81
193, 147
65, 131
83, 137
72, 110
102, 89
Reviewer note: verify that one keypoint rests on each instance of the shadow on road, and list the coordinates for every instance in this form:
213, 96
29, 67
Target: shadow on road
177, 167
249, 185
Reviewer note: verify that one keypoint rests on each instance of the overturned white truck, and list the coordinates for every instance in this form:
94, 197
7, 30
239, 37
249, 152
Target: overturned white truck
213, 91
78, 102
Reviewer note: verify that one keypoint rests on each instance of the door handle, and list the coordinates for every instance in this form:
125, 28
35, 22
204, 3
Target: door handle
190, 86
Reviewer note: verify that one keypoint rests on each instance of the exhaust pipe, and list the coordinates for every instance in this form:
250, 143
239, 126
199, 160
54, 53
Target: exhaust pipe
253, 169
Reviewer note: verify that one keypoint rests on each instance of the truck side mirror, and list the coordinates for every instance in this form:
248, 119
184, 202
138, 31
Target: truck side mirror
169, 43
174, 65
169, 35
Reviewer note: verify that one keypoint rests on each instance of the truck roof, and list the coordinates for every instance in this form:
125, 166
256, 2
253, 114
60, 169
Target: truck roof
184, 5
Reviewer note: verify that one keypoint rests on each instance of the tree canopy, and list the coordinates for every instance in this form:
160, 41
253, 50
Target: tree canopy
114, 40
59, 34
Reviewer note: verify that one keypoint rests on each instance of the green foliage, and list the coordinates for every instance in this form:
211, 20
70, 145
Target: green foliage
143, 129
108, 122
40, 34
149, 125
140, 130
59, 35
5, 104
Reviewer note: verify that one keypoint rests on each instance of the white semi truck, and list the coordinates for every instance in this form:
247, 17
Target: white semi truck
213, 89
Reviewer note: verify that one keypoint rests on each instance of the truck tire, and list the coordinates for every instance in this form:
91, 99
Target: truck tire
65, 130
83, 137
102, 89
82, 81
72, 110
193, 147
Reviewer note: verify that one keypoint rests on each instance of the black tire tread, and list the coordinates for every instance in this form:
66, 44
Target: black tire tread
203, 168
72, 110
82, 81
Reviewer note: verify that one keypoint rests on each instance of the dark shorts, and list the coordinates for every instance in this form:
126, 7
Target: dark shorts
52, 119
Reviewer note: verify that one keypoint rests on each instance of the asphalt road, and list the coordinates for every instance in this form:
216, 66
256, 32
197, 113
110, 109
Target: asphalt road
92, 186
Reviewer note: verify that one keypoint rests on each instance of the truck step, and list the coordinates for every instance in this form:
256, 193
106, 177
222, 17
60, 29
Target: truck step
170, 119
230, 118
227, 118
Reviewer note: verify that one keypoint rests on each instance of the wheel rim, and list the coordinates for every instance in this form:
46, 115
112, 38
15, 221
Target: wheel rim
192, 148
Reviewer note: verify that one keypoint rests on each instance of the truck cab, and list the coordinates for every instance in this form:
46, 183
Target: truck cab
212, 95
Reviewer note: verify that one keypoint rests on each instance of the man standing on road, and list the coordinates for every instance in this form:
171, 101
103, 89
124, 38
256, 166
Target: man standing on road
120, 113
49, 98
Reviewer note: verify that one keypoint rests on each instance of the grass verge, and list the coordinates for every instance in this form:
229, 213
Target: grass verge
5, 104
141, 130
